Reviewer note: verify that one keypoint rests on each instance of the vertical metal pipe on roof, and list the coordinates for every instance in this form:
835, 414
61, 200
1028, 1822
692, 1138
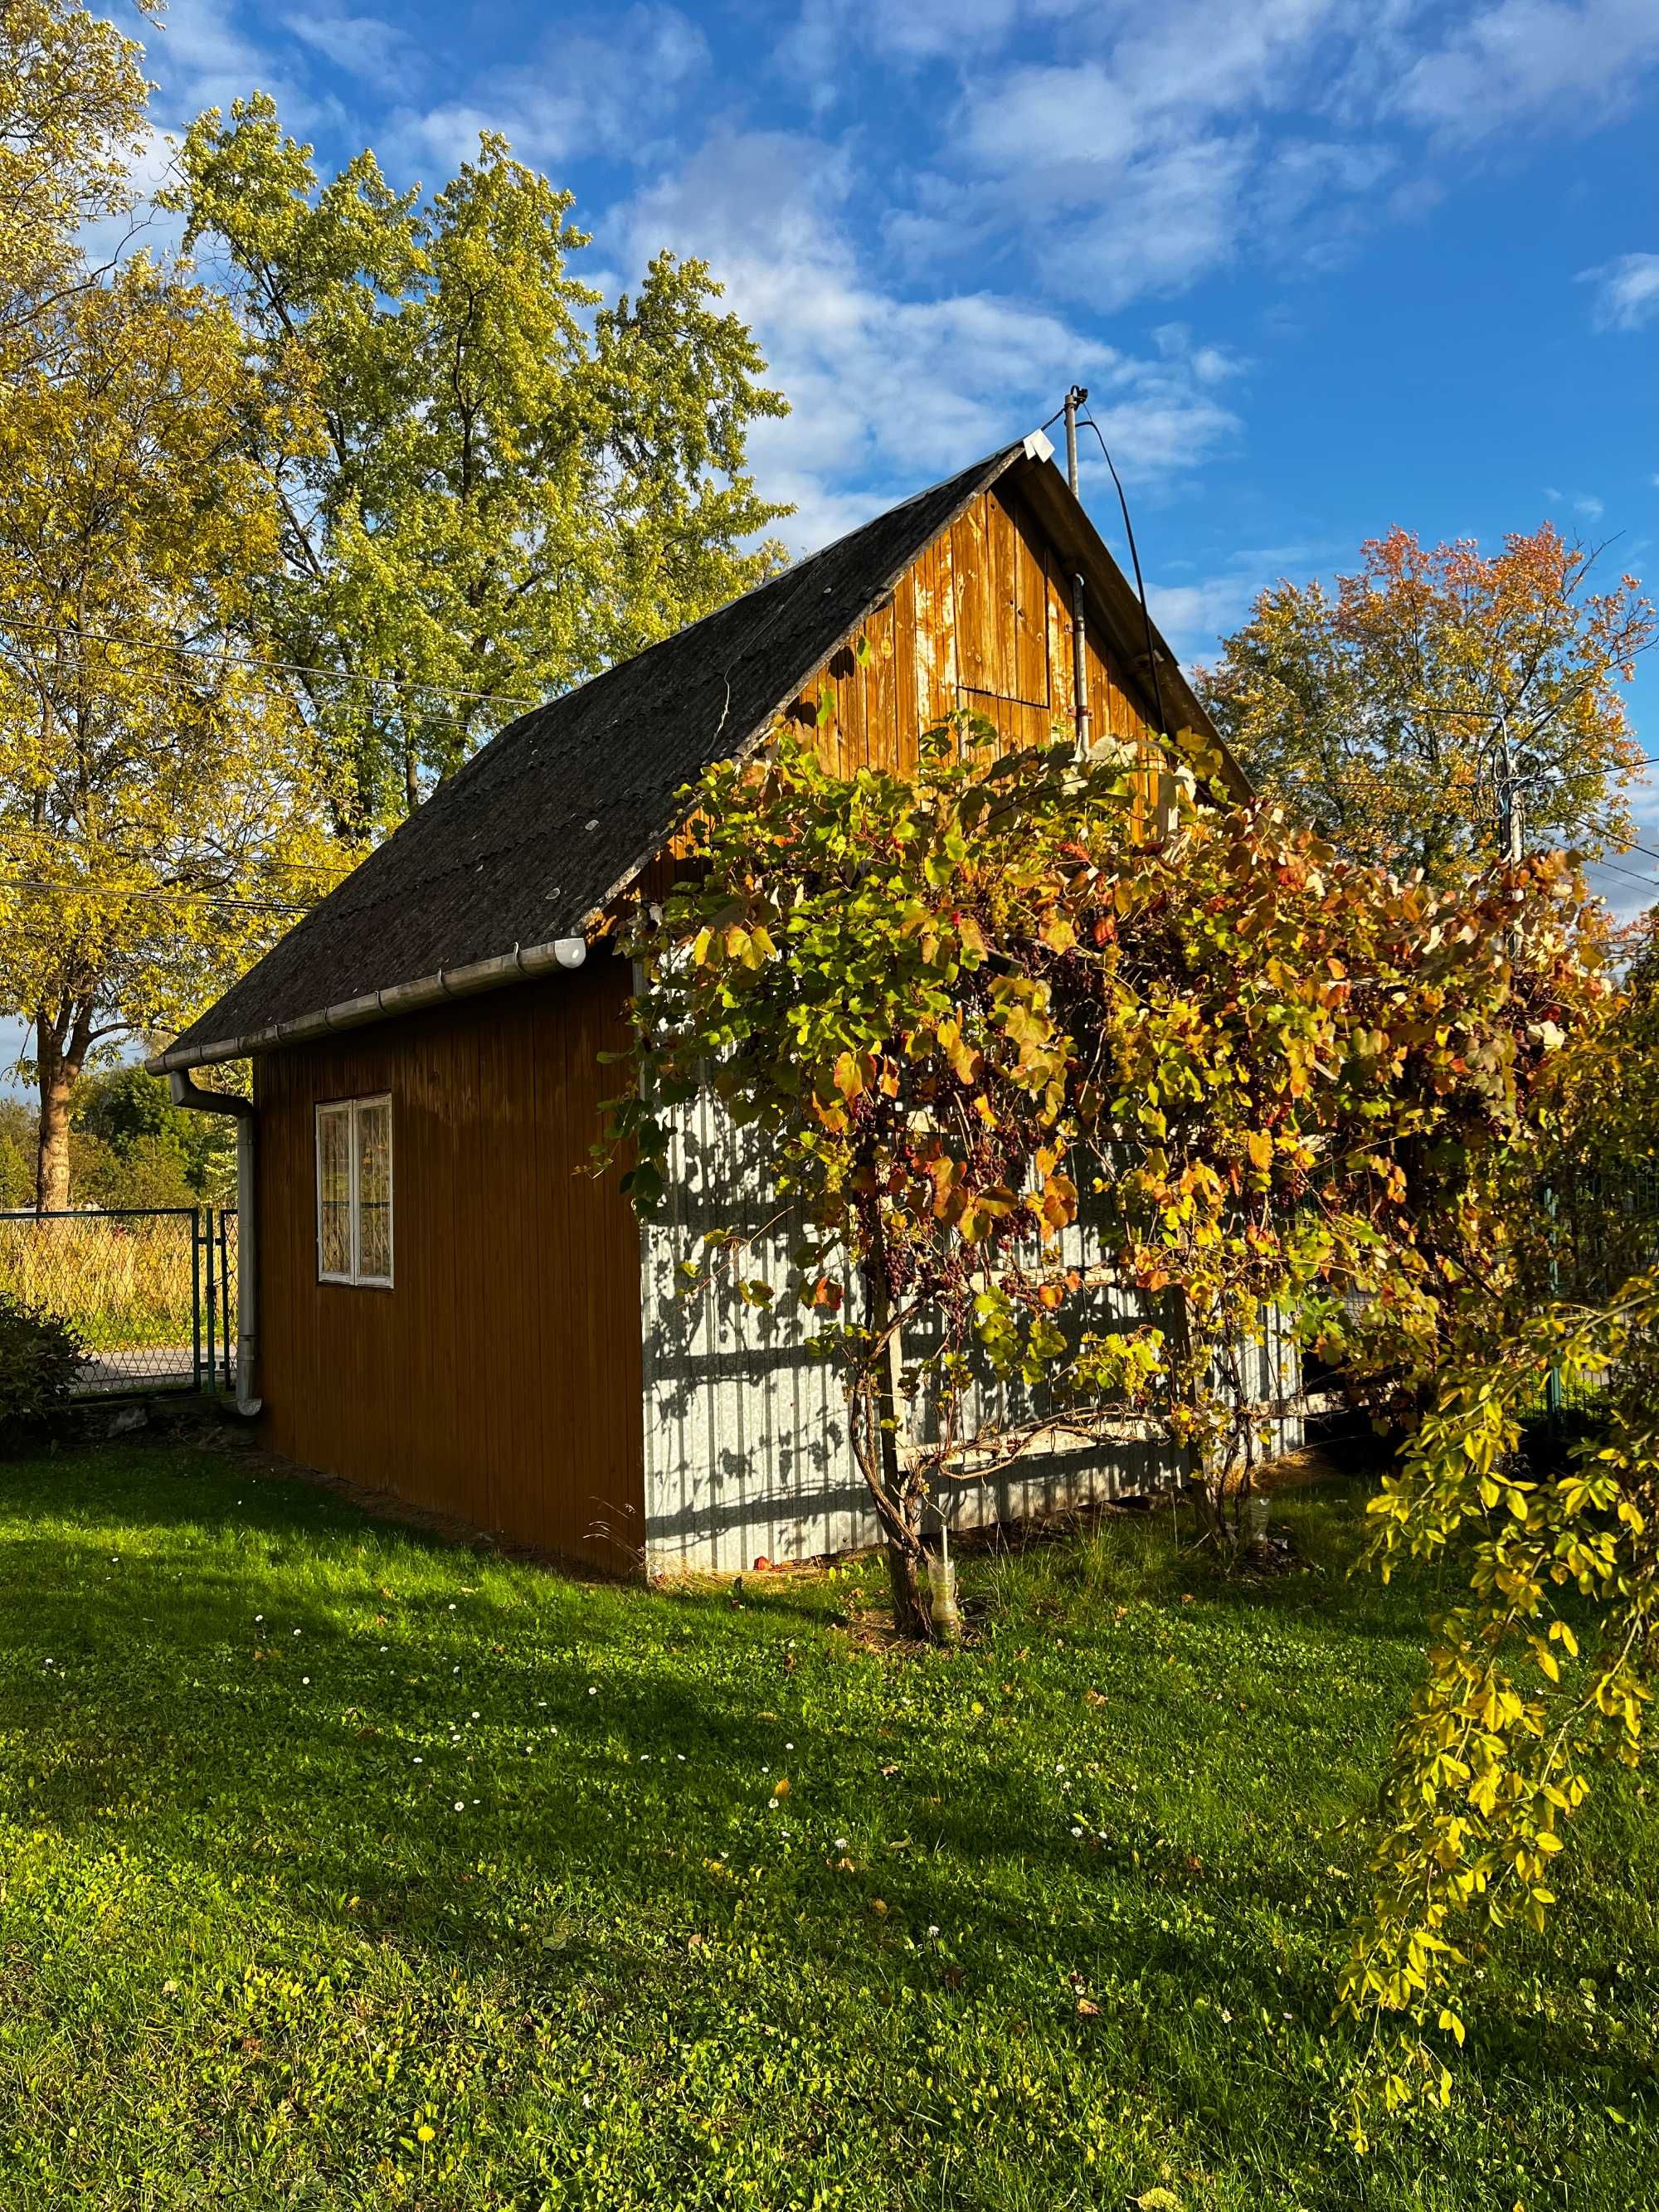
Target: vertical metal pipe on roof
1074, 400
1080, 666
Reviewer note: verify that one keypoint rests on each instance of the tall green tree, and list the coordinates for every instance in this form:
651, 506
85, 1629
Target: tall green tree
518, 483
1384, 713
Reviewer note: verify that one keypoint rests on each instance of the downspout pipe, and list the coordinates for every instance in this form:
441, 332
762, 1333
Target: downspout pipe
190, 1095
1081, 667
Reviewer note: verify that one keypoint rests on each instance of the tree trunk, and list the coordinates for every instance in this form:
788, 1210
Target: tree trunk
899, 1505
411, 780
52, 1165
909, 1608
60, 1055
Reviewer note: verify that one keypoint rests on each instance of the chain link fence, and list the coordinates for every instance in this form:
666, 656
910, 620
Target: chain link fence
150, 1292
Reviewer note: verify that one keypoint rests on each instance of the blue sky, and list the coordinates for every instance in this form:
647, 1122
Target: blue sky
1325, 265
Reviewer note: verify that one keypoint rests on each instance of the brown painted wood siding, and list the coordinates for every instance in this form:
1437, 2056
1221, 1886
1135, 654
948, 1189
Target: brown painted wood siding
499, 1378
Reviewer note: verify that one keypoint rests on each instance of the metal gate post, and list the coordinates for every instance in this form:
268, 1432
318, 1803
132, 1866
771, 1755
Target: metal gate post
196, 1292
212, 1296
226, 1333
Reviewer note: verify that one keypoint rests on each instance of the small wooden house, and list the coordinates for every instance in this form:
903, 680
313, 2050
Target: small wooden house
441, 1298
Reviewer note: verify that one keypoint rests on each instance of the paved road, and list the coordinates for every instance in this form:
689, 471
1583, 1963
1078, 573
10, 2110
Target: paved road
151, 1365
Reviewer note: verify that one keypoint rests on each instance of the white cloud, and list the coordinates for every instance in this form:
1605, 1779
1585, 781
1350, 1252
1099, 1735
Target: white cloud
1167, 148
1210, 364
1073, 118
1195, 616
1557, 62
1626, 291
813, 51
1216, 55
1176, 140
611, 91
363, 45
889, 390
200, 58
1584, 503
203, 57
1147, 207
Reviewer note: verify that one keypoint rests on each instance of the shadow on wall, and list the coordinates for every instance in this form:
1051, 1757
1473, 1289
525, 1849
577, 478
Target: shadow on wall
747, 1454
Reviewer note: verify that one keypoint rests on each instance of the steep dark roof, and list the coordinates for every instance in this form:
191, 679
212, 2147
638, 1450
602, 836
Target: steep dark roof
531, 840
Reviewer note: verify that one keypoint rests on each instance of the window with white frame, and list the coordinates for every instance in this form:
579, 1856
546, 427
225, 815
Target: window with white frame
354, 1191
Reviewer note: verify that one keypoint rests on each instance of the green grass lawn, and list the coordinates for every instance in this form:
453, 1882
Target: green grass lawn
339, 1869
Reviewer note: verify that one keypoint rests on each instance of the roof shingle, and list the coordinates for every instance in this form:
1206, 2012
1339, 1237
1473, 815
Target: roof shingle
532, 838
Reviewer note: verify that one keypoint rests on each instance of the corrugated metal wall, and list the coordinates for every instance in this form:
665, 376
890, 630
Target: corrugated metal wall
746, 1448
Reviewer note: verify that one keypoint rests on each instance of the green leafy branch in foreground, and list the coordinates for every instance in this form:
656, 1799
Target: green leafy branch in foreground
1545, 1668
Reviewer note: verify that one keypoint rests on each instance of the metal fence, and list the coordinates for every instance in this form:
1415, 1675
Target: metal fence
150, 1292
1602, 1229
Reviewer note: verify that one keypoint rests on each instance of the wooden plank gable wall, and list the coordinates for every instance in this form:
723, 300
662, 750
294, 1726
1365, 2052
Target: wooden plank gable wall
981, 620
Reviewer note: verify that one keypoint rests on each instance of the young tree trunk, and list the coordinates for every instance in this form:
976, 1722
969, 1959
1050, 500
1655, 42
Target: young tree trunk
52, 1159
60, 1055
899, 1503
910, 1616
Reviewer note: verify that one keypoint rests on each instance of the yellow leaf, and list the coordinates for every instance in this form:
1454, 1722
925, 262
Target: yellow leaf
849, 1075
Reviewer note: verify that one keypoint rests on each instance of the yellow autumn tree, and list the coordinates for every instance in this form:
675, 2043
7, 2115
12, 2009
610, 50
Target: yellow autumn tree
72, 96
160, 820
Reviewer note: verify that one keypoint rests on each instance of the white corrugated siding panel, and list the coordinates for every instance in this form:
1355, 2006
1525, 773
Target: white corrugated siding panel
746, 1447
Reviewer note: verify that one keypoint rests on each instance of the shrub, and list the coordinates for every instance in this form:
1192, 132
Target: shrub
39, 1355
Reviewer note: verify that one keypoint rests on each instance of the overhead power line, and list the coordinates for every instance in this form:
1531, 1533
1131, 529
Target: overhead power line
1612, 868
63, 841
88, 884
204, 652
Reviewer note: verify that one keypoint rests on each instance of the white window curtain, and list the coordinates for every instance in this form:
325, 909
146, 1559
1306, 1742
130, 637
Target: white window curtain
354, 1191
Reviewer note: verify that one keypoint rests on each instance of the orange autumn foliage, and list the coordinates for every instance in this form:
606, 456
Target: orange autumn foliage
1375, 712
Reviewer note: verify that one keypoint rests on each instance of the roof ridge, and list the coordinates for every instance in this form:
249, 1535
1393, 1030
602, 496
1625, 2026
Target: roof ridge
791, 568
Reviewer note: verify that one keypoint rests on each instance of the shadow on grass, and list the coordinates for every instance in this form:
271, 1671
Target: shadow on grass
551, 1783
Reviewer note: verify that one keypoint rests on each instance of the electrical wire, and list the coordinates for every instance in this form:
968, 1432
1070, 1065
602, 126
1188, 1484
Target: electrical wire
1140, 583
1612, 868
90, 883
63, 841
258, 660
1597, 830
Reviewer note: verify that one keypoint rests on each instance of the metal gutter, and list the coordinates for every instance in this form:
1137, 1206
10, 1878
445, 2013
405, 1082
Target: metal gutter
524, 961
